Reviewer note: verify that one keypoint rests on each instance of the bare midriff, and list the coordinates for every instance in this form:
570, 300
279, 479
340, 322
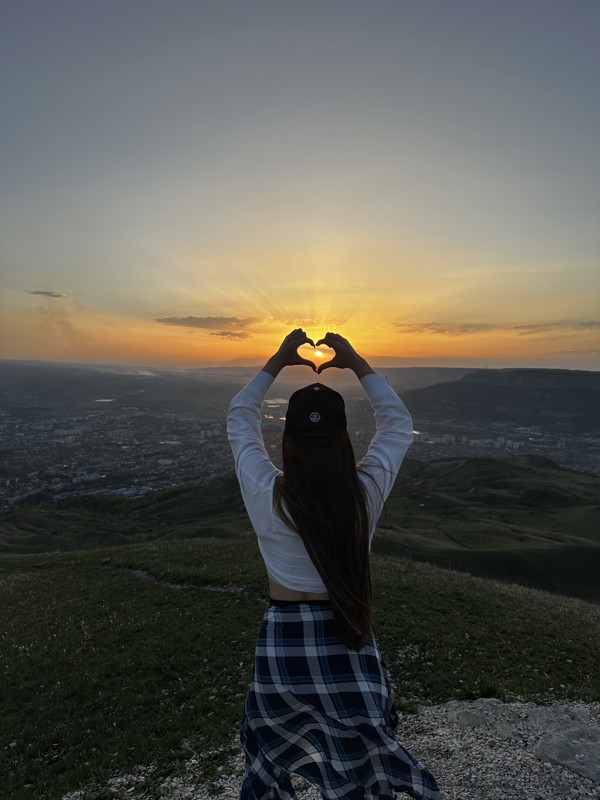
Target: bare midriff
278, 592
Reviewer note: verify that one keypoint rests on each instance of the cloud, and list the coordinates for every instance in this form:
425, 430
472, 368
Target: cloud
211, 323
453, 328
55, 295
595, 353
232, 334
297, 322
465, 328
591, 325
224, 327
555, 327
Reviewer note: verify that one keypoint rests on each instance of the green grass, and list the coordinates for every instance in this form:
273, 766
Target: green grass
102, 670
87, 522
522, 519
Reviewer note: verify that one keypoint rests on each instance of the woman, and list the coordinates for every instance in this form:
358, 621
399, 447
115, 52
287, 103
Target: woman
320, 703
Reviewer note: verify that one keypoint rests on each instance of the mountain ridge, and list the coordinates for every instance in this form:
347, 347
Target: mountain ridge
554, 400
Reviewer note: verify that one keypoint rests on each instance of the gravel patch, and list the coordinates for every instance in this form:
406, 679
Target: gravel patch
479, 750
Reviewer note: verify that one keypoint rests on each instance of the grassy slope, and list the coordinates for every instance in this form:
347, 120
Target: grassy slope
523, 519
100, 521
102, 670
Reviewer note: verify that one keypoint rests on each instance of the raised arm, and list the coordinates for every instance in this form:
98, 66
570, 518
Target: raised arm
393, 434
252, 463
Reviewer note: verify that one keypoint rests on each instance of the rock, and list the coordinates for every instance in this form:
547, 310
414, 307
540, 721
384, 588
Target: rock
504, 731
577, 749
557, 716
470, 719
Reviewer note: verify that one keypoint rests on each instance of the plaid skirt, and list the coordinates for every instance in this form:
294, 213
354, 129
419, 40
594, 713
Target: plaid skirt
324, 712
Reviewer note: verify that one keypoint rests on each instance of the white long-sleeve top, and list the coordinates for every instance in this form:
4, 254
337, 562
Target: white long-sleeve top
286, 559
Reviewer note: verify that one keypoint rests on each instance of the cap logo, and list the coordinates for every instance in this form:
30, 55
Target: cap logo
314, 416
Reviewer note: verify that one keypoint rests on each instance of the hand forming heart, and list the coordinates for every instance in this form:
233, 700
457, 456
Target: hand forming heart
345, 356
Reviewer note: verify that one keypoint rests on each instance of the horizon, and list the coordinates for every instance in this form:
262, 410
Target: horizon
250, 364
182, 186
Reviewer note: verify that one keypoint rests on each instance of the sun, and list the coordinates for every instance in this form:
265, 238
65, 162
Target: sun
319, 353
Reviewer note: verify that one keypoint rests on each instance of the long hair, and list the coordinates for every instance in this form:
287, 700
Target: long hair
320, 496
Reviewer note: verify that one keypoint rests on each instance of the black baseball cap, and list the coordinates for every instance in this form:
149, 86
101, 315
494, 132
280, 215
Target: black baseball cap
316, 415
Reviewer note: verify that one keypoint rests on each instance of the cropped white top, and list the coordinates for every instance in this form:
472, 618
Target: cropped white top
282, 549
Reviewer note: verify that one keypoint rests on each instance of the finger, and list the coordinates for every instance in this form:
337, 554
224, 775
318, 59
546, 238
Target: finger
302, 334
296, 333
297, 339
289, 339
308, 364
325, 366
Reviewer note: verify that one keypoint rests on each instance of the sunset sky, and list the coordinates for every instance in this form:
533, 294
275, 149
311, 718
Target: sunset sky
184, 181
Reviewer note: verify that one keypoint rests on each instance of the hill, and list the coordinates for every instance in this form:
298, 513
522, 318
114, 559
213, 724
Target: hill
137, 658
561, 401
27, 387
91, 521
522, 519
73, 388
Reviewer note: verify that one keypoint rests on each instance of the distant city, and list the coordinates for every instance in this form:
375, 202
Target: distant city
47, 457
51, 449
440, 438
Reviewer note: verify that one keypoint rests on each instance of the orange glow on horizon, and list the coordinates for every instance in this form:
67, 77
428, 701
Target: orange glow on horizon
59, 331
